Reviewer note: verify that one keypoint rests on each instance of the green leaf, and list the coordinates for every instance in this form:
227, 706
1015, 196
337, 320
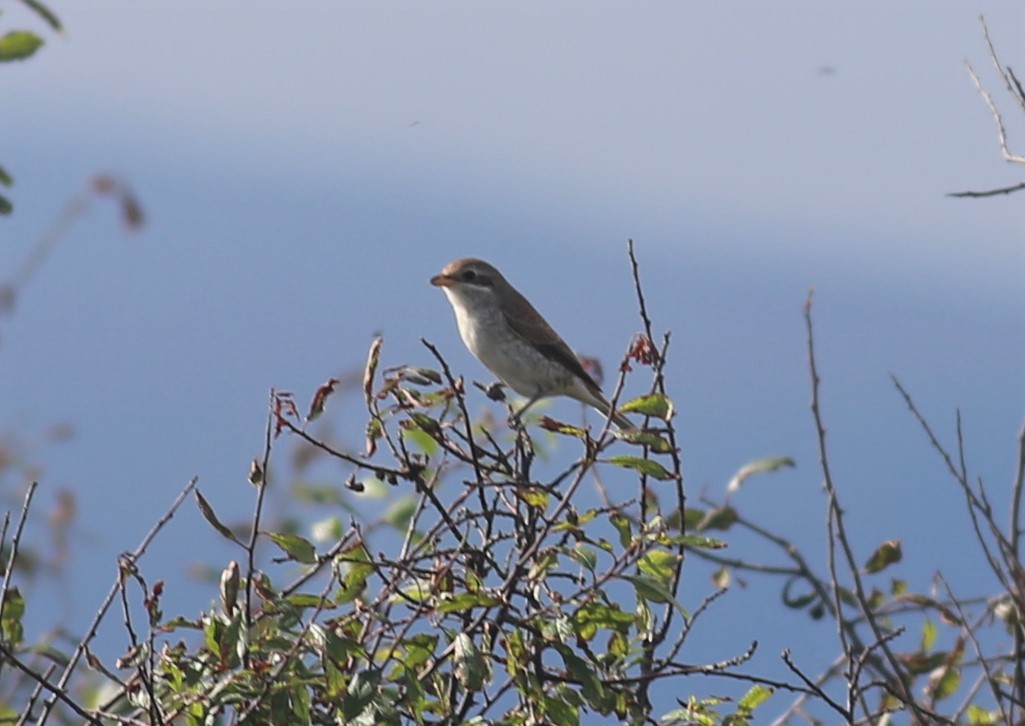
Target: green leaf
360, 694
581, 671
533, 497
645, 619
644, 466
847, 596
691, 519
659, 564
797, 602
10, 618
594, 616
720, 518
979, 716
339, 649
419, 649
650, 589
558, 710
400, 512
584, 555
354, 567
644, 438
415, 590
425, 423
5, 205
755, 697
316, 493
619, 646
722, 577
470, 665
296, 547
886, 554
875, 598
544, 562
945, 683
696, 541
208, 514
622, 525
922, 663
689, 717
305, 600
211, 629
14, 605
949, 616
416, 376
654, 404
374, 431
5, 178
758, 467
929, 633
516, 657
18, 45
574, 521
555, 629
466, 601
421, 439
230, 640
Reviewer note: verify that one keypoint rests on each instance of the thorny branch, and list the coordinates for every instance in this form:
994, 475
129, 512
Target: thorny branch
1014, 87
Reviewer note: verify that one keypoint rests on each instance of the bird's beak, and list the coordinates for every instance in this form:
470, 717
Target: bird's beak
442, 281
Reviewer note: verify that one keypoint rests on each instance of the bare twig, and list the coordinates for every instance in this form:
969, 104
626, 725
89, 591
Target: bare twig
57, 691
838, 535
1015, 89
997, 118
15, 542
976, 504
989, 193
815, 688
254, 532
109, 599
990, 677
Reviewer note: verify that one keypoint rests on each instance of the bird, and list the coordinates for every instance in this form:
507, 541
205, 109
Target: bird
505, 333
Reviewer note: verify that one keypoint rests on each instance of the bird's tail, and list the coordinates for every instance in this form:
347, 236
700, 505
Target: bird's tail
603, 407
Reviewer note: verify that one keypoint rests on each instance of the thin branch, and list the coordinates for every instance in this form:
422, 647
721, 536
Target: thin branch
836, 519
1005, 75
15, 542
381, 471
1016, 497
991, 678
975, 504
254, 532
989, 193
468, 425
1015, 89
814, 688
26, 713
109, 599
56, 689
997, 118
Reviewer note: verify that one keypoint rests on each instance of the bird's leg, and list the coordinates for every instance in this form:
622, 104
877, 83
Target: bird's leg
517, 418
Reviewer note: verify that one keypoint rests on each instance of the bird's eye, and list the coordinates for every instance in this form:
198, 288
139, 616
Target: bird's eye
469, 275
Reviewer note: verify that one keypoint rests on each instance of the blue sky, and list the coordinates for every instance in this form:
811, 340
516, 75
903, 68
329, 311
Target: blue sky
306, 172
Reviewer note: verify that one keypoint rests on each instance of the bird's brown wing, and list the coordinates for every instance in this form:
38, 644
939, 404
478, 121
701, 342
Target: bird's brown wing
540, 333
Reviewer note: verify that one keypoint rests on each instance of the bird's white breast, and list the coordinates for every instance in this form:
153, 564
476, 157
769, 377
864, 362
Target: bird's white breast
487, 335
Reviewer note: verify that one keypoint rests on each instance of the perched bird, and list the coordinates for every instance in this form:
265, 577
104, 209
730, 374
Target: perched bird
504, 331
